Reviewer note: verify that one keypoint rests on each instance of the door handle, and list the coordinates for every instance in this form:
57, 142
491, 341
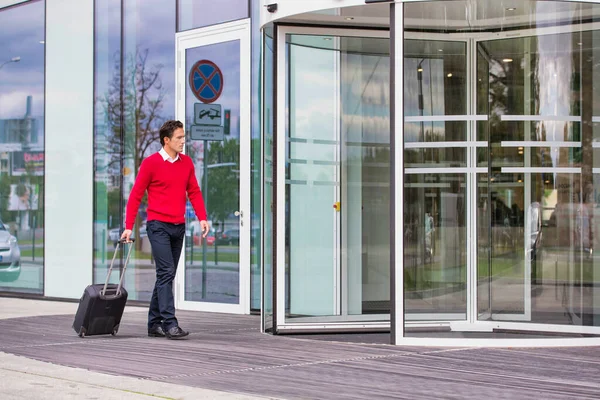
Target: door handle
241, 215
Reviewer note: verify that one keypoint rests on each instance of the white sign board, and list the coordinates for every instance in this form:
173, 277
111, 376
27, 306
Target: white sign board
10, 147
207, 114
199, 132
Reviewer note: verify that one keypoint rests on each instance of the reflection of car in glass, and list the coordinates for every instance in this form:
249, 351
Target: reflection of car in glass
210, 238
229, 236
10, 256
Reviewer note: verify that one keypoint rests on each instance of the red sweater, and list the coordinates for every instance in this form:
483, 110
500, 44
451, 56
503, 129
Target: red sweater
167, 184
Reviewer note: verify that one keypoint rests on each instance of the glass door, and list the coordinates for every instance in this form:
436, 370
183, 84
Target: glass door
213, 98
332, 182
439, 167
536, 200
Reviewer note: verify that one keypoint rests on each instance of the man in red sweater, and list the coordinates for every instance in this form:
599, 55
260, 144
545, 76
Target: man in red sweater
167, 176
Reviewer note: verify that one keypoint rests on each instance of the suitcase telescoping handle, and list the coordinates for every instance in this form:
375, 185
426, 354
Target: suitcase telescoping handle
121, 241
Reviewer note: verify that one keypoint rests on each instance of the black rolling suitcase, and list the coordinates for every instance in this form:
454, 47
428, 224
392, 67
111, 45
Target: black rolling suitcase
101, 306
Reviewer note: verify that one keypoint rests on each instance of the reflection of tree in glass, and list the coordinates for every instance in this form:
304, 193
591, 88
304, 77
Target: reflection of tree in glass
223, 180
132, 106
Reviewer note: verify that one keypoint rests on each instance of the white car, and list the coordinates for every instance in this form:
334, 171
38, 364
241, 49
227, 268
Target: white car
10, 256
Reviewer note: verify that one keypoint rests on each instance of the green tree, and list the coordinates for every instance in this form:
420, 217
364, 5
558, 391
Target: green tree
223, 179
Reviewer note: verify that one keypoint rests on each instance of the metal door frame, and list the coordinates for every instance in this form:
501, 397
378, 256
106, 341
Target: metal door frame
310, 323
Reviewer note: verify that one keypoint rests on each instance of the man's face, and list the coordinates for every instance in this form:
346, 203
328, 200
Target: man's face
177, 141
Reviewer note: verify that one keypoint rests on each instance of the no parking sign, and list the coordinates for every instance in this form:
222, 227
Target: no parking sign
206, 81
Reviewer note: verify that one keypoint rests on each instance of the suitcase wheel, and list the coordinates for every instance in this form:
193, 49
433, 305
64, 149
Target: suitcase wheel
115, 330
81, 332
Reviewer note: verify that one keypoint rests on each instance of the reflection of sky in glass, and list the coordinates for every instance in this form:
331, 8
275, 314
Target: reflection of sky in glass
147, 28
107, 47
22, 31
200, 13
151, 25
312, 93
363, 80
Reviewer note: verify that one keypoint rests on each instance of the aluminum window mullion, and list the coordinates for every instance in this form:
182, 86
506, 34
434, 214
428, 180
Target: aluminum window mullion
472, 188
397, 311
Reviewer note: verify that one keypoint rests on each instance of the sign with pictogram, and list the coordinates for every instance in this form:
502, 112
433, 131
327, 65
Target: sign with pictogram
207, 114
206, 81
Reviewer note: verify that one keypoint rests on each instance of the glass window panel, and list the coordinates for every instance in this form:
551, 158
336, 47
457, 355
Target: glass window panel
435, 131
134, 92
365, 175
108, 212
255, 234
540, 266
484, 273
435, 258
22, 44
199, 13
149, 100
268, 210
212, 267
446, 157
435, 77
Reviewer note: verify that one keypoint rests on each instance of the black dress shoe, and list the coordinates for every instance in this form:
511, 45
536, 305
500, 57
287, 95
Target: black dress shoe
176, 333
156, 331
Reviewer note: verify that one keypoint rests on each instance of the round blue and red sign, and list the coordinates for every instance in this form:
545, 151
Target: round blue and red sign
206, 81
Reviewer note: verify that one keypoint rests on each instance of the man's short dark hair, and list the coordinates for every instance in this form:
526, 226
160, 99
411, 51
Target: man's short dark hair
167, 130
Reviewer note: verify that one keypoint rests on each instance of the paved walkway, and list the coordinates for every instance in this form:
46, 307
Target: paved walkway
227, 357
28, 378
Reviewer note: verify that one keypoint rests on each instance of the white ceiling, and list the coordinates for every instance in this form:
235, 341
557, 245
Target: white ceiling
460, 15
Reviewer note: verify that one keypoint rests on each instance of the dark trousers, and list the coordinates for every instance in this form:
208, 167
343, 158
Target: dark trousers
166, 240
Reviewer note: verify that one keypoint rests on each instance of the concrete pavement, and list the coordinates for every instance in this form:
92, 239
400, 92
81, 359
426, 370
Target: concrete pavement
24, 378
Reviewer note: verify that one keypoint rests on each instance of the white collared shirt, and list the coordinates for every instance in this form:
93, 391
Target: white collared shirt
167, 157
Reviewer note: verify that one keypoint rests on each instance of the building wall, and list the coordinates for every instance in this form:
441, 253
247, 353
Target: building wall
69, 146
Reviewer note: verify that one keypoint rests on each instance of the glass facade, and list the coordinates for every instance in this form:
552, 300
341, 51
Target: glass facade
499, 176
22, 148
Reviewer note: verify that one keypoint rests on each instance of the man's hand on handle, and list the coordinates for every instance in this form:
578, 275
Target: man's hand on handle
126, 235
205, 228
